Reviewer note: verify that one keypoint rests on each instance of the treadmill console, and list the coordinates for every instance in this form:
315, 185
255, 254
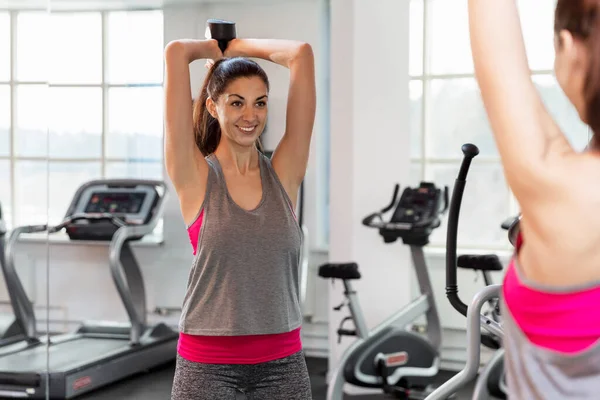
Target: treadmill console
415, 216
115, 203
131, 205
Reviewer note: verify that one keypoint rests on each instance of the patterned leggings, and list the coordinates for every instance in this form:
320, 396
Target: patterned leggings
285, 379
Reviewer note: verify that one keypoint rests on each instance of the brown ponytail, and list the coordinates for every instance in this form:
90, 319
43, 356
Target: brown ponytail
582, 19
207, 130
592, 84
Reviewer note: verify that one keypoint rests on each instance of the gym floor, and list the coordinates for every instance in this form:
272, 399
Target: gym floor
156, 385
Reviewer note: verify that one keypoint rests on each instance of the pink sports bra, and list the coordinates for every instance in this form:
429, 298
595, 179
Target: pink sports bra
562, 319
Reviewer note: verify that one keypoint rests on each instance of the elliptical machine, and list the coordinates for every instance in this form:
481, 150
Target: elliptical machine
401, 363
490, 384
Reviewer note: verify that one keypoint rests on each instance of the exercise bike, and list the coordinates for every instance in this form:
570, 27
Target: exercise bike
491, 382
390, 357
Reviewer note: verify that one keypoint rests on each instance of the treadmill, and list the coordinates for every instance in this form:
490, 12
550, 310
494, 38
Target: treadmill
11, 330
65, 366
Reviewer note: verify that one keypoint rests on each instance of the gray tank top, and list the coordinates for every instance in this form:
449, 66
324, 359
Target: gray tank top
244, 279
536, 373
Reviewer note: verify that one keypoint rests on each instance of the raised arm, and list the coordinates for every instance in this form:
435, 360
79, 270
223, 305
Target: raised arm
290, 158
531, 145
184, 162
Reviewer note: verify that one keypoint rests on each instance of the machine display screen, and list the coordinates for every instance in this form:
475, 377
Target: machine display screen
115, 203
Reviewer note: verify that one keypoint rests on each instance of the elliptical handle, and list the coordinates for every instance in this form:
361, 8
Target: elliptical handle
470, 151
446, 202
368, 219
394, 198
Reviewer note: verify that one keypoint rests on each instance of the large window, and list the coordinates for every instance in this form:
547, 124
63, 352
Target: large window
75, 107
447, 111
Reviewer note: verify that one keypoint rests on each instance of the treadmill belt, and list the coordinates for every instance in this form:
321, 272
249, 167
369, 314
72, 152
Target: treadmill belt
63, 356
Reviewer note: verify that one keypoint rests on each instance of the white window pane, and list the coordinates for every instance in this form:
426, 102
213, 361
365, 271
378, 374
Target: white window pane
75, 122
141, 170
34, 180
456, 116
537, 21
135, 47
5, 59
448, 26
31, 130
5, 193
484, 205
31, 125
562, 110
415, 175
33, 30
65, 179
4, 120
135, 123
416, 117
416, 22
31, 186
76, 58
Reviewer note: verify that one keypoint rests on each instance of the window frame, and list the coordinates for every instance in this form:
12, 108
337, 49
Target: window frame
13, 83
424, 162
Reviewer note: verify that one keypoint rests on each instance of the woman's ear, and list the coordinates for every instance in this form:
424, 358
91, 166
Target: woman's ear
569, 47
211, 107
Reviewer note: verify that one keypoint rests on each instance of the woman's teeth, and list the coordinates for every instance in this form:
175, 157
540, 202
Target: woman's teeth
246, 129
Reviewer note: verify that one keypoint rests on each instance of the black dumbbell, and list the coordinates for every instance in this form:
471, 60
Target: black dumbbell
220, 30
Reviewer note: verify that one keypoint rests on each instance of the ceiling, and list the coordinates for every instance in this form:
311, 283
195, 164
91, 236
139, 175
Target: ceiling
113, 4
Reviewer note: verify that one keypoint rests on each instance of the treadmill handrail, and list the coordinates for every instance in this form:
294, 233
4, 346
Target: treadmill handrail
90, 217
133, 293
22, 307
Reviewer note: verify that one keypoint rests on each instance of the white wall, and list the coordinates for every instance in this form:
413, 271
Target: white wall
79, 279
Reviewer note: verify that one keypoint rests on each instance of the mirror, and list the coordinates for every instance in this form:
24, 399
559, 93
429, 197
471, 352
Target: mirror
25, 317
81, 131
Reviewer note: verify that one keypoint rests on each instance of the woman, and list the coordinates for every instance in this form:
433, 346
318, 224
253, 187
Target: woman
552, 286
240, 324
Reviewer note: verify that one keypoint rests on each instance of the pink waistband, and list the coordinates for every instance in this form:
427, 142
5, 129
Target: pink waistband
564, 322
250, 349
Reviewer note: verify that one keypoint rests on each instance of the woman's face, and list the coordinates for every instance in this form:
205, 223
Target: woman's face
242, 110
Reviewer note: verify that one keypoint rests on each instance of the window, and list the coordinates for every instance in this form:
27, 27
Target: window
76, 107
446, 111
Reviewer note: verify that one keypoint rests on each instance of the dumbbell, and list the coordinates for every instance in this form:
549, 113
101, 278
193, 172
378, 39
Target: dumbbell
220, 30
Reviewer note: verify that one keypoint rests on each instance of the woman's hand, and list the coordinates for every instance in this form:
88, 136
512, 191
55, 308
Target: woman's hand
214, 52
190, 50
235, 48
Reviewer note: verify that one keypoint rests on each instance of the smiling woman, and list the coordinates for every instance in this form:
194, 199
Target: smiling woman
240, 103
241, 318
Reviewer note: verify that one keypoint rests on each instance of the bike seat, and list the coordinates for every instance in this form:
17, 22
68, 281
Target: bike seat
339, 271
486, 262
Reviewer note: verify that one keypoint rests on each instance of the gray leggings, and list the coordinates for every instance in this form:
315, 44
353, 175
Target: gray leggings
285, 379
